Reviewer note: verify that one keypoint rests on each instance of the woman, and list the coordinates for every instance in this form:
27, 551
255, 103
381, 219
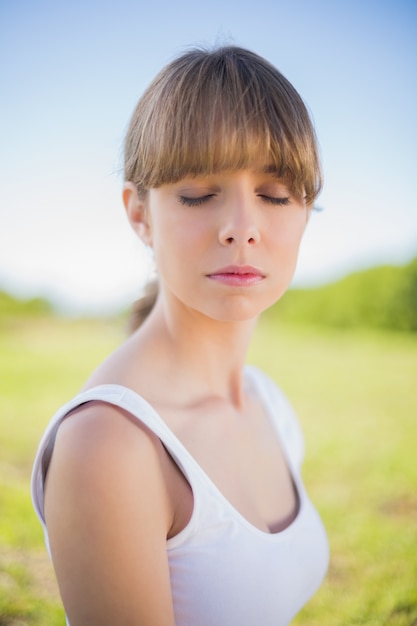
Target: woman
170, 488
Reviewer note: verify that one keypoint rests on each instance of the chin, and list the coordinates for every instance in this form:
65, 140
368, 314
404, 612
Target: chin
240, 310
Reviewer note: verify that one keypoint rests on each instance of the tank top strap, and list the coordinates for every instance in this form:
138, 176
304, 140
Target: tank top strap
281, 414
275, 403
136, 406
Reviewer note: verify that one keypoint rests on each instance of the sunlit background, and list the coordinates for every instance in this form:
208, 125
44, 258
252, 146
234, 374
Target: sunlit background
71, 74
73, 71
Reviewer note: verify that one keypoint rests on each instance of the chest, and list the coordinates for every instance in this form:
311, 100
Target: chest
235, 574
242, 455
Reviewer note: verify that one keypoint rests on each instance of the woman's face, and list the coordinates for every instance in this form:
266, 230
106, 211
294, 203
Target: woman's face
226, 245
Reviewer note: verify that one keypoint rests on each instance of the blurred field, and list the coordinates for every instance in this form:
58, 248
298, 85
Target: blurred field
355, 393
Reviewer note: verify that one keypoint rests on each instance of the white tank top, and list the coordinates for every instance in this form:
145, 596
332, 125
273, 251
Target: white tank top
224, 571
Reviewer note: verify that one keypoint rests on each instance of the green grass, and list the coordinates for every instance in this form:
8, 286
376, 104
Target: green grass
355, 395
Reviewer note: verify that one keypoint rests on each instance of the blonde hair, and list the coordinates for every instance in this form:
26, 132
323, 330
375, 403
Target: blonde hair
221, 110
211, 111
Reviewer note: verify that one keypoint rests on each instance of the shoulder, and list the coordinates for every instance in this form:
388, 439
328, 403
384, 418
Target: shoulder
283, 414
269, 391
108, 513
100, 449
98, 427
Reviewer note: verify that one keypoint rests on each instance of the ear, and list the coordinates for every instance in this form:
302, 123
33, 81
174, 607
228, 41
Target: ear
137, 212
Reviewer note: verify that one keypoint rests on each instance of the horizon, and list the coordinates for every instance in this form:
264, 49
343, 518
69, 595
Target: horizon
67, 309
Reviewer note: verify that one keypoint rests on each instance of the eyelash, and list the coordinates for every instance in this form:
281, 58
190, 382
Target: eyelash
200, 200
195, 201
285, 201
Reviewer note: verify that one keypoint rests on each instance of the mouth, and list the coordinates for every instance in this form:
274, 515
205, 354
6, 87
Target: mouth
237, 275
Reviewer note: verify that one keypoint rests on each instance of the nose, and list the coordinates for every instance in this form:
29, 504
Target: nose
239, 226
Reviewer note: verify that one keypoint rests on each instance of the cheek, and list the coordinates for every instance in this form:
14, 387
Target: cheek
289, 236
175, 245
181, 236
297, 236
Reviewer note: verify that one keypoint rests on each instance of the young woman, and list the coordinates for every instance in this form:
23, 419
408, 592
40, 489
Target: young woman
170, 487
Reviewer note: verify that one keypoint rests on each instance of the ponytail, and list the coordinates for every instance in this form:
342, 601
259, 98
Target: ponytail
143, 306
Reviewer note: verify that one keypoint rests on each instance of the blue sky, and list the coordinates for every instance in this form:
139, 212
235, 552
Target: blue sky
71, 73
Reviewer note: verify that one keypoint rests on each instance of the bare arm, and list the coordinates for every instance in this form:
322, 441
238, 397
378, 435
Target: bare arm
108, 513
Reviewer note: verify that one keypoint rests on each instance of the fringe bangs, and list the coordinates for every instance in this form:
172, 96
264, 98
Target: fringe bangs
223, 111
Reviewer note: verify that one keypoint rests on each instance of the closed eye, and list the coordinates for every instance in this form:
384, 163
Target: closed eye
281, 201
195, 201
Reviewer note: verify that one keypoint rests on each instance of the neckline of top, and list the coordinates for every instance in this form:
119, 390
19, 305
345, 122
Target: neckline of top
160, 427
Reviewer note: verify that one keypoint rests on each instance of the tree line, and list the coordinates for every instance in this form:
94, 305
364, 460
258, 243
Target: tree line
382, 297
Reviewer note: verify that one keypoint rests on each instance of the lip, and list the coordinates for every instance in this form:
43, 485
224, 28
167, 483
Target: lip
237, 275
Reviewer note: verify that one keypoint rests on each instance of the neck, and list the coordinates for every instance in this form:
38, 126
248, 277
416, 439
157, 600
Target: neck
197, 356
